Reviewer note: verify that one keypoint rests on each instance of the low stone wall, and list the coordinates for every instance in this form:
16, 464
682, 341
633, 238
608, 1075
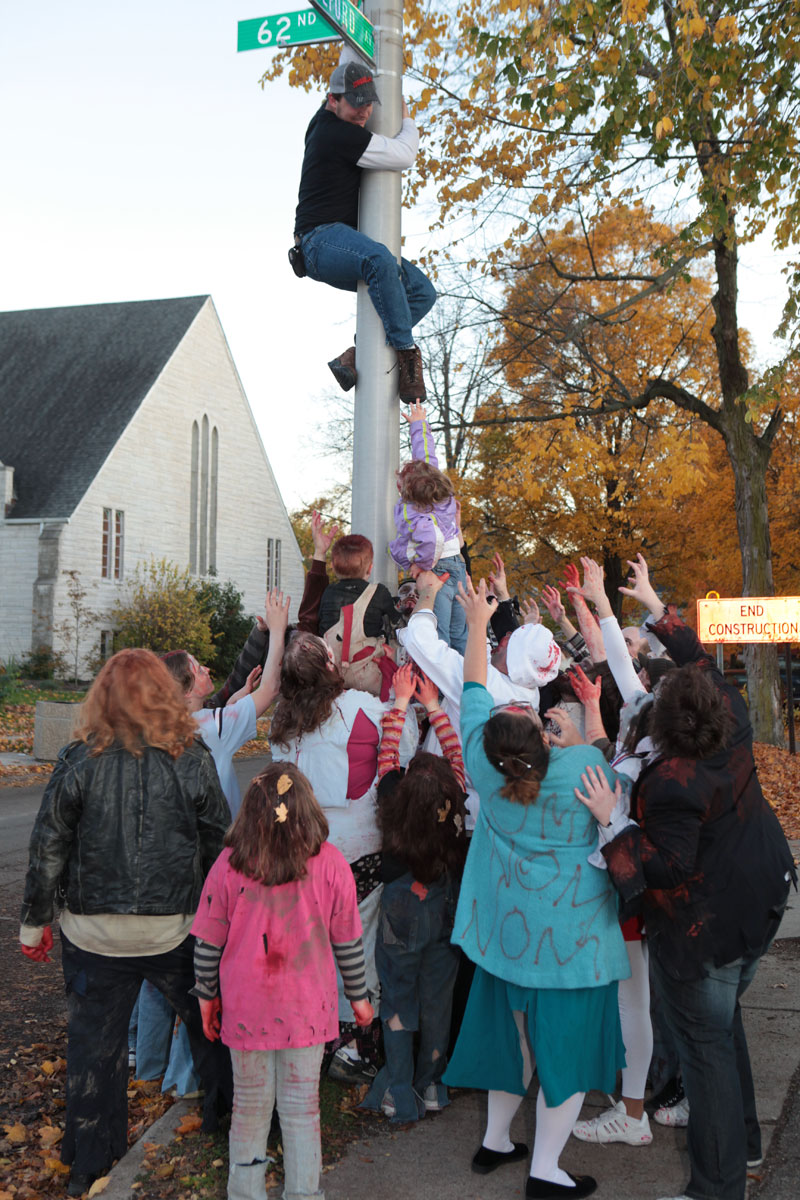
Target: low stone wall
54, 726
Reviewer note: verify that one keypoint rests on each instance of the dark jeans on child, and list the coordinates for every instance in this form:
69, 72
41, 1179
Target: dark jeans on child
417, 966
101, 992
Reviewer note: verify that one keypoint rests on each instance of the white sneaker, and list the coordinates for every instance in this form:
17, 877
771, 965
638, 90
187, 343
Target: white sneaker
387, 1104
431, 1098
615, 1126
677, 1115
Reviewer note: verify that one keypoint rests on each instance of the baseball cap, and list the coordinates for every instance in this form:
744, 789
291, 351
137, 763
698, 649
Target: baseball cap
354, 81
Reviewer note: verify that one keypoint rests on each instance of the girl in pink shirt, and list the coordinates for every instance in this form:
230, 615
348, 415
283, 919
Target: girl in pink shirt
276, 907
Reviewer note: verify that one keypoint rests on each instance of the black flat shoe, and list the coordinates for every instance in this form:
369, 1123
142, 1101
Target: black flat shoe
486, 1160
543, 1189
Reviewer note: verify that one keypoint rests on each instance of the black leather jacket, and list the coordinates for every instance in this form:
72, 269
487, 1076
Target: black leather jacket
122, 834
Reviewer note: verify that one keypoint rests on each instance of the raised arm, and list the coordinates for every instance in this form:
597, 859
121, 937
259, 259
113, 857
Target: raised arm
619, 660
277, 618
428, 693
478, 609
586, 622
393, 721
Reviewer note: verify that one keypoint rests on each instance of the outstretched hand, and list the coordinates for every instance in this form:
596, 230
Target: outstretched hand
497, 578
551, 599
276, 612
592, 583
641, 588
478, 606
587, 692
321, 537
428, 584
414, 412
40, 953
599, 798
404, 683
530, 612
427, 691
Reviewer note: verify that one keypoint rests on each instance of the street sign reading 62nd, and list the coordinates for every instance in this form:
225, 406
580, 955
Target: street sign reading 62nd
285, 29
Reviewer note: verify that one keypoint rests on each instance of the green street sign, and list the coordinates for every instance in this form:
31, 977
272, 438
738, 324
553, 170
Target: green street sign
351, 23
286, 29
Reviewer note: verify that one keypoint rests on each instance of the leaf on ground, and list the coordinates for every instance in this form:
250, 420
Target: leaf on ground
190, 1123
99, 1186
16, 1134
165, 1171
55, 1164
50, 1135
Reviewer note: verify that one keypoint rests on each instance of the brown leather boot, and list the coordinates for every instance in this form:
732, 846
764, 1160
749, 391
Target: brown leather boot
411, 385
344, 369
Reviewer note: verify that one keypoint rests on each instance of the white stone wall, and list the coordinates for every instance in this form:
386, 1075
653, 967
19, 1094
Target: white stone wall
19, 559
148, 477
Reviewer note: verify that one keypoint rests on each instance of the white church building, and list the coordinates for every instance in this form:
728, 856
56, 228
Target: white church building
125, 435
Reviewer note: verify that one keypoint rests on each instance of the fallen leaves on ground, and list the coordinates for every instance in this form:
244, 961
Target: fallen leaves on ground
779, 772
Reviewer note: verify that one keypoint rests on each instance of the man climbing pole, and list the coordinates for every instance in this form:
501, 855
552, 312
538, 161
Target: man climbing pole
333, 251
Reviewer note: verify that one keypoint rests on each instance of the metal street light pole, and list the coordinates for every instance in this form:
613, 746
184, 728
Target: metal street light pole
376, 434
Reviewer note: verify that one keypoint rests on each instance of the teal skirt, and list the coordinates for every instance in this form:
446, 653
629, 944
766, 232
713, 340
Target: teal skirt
574, 1034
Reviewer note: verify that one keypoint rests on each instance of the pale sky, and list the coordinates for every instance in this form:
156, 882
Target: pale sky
141, 160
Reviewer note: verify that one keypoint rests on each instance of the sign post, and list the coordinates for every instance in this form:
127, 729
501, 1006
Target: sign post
754, 619
376, 429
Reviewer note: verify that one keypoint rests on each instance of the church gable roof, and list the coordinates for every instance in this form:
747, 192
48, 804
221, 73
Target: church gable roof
71, 379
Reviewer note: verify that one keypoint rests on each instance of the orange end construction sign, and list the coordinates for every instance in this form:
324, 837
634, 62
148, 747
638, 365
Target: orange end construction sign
749, 619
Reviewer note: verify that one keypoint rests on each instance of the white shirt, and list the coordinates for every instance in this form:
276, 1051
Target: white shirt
445, 667
238, 725
391, 153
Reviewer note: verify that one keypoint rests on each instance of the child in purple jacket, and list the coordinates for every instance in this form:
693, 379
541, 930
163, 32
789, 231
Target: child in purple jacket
426, 519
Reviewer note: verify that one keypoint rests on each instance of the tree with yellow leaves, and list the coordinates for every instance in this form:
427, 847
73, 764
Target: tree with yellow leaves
530, 108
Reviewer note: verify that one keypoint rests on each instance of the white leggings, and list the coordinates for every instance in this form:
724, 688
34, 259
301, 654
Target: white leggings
634, 1017
553, 1125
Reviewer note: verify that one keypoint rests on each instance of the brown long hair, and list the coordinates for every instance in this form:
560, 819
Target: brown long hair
423, 817
310, 683
514, 746
134, 700
278, 828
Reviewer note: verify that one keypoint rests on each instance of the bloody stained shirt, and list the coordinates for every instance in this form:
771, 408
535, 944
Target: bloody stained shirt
277, 974
708, 861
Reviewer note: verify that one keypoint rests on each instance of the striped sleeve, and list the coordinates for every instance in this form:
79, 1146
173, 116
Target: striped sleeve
448, 740
206, 970
389, 752
350, 961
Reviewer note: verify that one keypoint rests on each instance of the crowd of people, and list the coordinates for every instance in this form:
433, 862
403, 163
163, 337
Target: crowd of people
481, 853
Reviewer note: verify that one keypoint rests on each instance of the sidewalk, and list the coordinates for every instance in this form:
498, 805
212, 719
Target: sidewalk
432, 1160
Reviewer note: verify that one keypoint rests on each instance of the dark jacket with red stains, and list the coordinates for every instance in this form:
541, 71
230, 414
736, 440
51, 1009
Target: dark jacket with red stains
708, 857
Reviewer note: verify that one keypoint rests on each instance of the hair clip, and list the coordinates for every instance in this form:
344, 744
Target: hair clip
283, 785
281, 812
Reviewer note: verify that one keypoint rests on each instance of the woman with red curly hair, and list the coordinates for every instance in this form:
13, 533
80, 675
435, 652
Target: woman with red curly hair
130, 823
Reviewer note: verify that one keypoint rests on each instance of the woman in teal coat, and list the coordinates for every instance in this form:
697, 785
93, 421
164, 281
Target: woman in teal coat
540, 923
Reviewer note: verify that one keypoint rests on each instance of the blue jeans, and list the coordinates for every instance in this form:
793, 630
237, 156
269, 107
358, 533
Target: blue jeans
450, 619
339, 255
705, 1019
417, 967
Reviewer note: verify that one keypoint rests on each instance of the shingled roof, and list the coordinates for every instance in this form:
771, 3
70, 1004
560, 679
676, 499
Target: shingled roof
71, 379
